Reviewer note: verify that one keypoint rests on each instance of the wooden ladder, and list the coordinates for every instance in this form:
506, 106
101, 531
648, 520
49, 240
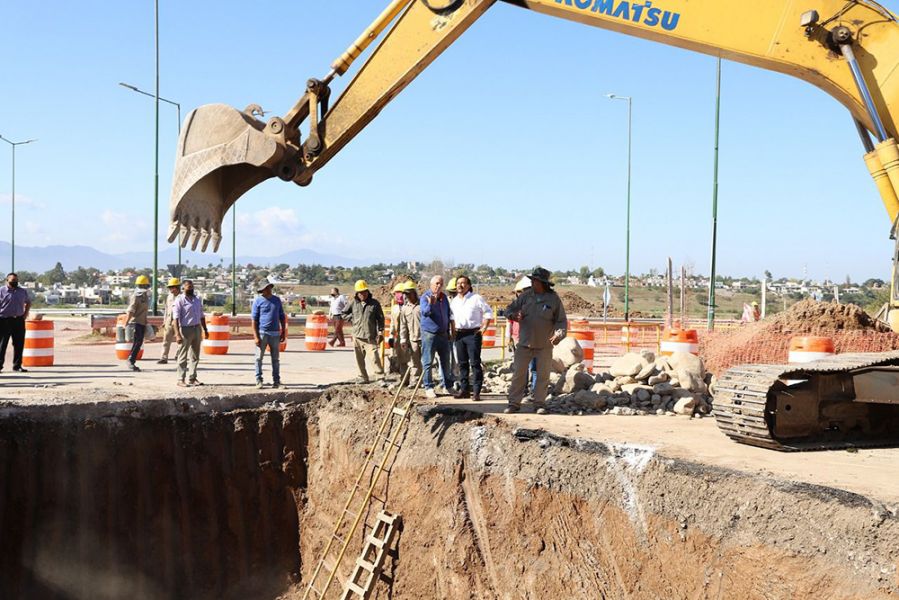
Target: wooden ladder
389, 440
371, 559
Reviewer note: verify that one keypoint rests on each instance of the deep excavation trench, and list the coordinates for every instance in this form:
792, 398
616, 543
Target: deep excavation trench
235, 497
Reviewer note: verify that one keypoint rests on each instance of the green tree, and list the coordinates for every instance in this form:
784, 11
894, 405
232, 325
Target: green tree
82, 277
768, 276
55, 275
584, 272
599, 273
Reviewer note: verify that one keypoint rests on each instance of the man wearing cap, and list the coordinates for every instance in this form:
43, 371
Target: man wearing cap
542, 325
14, 307
392, 332
436, 332
367, 318
410, 333
472, 316
188, 318
335, 314
137, 317
269, 330
168, 329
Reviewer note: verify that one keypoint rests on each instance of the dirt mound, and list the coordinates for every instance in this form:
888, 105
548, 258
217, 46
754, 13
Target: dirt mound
768, 341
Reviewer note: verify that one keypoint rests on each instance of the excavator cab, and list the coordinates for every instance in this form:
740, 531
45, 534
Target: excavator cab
222, 153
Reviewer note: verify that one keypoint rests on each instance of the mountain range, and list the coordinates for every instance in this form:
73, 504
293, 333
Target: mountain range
44, 258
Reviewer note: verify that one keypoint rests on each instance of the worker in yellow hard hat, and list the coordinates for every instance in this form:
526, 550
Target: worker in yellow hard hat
367, 318
391, 331
756, 312
137, 311
410, 333
168, 327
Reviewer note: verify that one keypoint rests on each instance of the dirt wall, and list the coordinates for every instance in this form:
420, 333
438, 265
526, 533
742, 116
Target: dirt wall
488, 514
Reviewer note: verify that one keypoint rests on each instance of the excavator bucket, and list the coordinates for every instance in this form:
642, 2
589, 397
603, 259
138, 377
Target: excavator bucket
222, 153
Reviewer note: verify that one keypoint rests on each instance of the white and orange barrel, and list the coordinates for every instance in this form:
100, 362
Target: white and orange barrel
282, 347
625, 334
679, 340
123, 347
38, 351
219, 329
489, 339
385, 344
586, 339
810, 348
316, 333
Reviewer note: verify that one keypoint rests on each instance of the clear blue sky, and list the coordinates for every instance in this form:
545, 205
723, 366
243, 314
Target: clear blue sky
504, 151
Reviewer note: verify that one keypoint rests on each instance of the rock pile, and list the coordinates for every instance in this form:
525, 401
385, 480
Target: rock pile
635, 384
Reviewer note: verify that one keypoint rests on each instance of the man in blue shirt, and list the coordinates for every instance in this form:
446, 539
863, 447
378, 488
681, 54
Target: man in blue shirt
269, 330
436, 331
14, 305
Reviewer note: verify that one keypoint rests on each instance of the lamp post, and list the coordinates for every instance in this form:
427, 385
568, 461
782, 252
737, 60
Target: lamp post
627, 255
12, 245
712, 275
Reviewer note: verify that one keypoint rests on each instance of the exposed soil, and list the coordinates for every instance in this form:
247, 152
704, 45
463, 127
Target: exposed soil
767, 342
180, 500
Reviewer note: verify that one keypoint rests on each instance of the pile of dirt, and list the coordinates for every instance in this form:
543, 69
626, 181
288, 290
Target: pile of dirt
768, 341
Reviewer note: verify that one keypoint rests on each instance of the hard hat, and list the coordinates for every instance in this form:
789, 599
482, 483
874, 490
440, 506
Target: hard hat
523, 284
451, 286
755, 303
410, 286
174, 282
360, 286
399, 287
142, 280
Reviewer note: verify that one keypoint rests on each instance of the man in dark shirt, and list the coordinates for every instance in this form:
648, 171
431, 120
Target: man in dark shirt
14, 306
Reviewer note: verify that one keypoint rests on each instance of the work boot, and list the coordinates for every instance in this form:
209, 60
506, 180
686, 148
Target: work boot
259, 384
476, 397
133, 366
162, 361
430, 393
510, 410
276, 384
463, 395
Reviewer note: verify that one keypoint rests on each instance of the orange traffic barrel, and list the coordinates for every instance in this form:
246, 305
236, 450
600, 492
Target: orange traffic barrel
219, 335
810, 348
122, 346
489, 339
385, 344
283, 345
316, 333
679, 340
586, 339
38, 351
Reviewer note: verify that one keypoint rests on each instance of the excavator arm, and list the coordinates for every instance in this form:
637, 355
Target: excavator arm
848, 48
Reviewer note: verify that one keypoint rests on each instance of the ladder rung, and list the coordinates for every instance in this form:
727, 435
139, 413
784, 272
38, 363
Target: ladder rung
375, 541
389, 441
386, 518
400, 412
378, 499
364, 564
338, 538
382, 469
355, 589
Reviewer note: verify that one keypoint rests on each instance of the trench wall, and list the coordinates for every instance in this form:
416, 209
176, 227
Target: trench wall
118, 504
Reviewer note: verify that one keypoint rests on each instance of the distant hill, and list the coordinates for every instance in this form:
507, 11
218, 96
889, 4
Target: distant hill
43, 258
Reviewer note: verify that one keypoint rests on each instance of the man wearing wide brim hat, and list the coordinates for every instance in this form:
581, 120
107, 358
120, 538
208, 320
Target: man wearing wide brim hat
542, 324
269, 330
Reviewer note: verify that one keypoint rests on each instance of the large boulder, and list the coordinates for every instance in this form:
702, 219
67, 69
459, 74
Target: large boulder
628, 365
575, 380
568, 352
685, 406
690, 371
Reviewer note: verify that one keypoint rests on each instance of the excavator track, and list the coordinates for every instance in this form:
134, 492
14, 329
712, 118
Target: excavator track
744, 402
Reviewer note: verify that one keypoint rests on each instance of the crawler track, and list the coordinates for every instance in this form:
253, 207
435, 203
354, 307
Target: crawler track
743, 403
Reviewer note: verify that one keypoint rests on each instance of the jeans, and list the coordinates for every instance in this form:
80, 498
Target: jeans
12, 327
533, 369
139, 331
468, 353
431, 344
273, 342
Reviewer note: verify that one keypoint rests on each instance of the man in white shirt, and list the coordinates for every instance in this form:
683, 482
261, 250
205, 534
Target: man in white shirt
472, 316
335, 313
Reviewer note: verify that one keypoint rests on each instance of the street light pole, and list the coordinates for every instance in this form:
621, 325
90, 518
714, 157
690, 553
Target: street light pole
156, 176
712, 275
234, 260
12, 245
178, 109
627, 255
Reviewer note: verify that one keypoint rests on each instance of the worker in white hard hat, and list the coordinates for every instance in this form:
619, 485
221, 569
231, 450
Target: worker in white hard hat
367, 317
137, 317
168, 327
512, 330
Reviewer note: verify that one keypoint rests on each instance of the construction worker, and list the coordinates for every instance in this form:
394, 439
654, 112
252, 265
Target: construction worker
392, 332
410, 333
472, 316
14, 307
188, 318
542, 325
436, 333
367, 318
756, 312
137, 317
269, 330
168, 328
335, 313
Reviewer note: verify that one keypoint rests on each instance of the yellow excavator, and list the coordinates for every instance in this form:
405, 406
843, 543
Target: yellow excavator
848, 48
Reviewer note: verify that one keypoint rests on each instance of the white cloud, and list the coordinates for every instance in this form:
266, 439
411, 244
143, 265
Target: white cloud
121, 227
273, 221
22, 201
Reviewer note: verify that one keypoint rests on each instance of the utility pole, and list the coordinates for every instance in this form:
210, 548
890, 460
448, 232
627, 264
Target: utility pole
627, 255
156, 173
234, 260
711, 313
12, 246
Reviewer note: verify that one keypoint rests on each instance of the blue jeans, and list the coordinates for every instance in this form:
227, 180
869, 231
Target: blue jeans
433, 343
139, 331
272, 341
533, 369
